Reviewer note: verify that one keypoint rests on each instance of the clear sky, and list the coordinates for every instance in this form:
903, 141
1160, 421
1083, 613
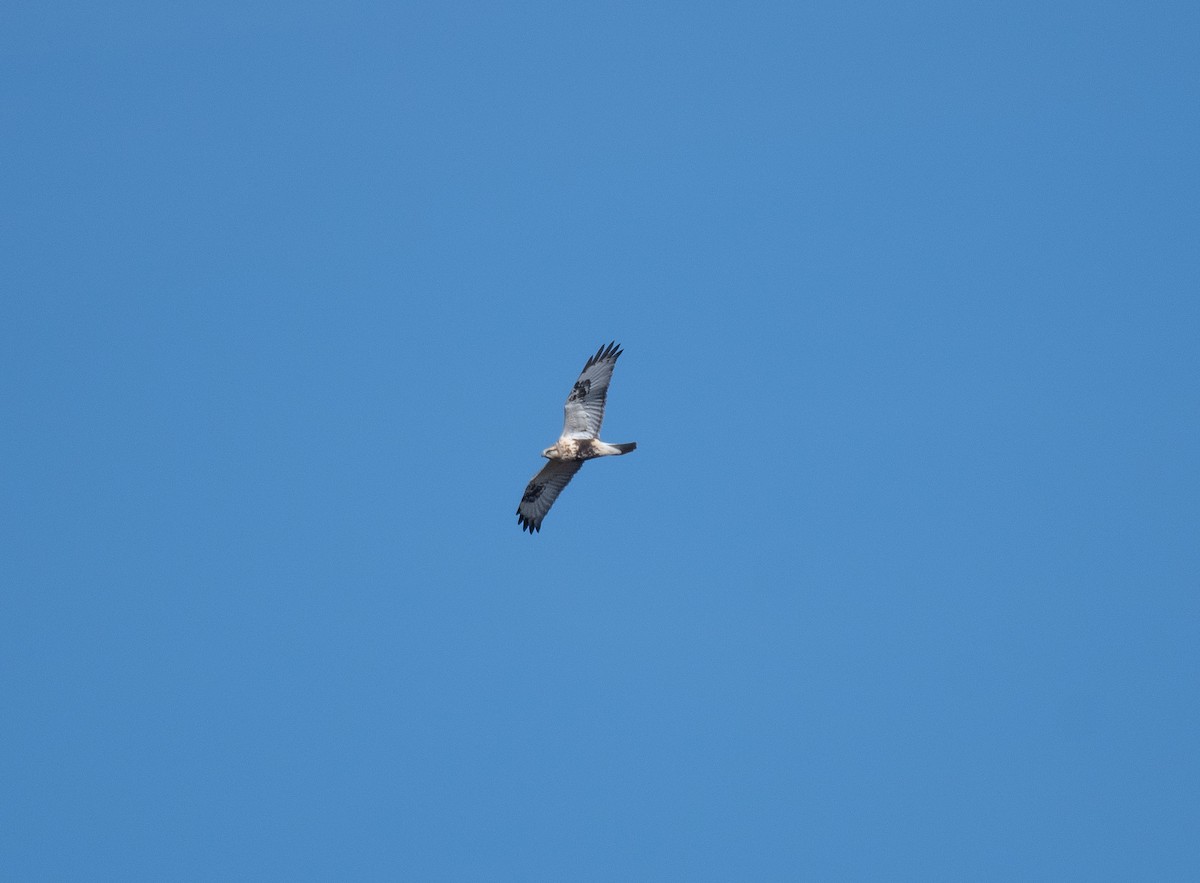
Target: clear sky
902, 582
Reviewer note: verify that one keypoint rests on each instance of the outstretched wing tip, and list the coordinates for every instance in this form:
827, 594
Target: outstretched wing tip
608, 351
528, 524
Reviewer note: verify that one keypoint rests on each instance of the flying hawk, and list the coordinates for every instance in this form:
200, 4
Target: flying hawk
579, 441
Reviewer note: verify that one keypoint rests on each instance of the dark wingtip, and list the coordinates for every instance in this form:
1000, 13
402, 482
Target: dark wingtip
610, 350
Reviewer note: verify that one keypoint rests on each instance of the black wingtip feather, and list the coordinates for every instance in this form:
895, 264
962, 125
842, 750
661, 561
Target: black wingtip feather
610, 350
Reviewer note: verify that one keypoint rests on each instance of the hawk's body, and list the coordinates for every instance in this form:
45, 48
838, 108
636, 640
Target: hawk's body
582, 416
584, 449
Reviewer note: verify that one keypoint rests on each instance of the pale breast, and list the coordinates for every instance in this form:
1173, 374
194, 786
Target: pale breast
575, 449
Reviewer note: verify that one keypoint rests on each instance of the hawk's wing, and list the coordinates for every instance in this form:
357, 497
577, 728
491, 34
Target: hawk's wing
543, 489
584, 409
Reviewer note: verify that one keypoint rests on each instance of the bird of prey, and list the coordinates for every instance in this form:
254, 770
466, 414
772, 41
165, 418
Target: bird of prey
579, 441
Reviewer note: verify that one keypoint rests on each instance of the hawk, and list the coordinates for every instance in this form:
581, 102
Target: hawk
579, 441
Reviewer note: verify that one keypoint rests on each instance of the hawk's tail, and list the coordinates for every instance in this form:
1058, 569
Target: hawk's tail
626, 448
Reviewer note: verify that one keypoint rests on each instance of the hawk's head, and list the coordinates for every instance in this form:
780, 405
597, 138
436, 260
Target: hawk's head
550, 451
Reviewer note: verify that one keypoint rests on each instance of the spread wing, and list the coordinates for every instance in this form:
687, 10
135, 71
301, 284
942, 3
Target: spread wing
584, 410
543, 489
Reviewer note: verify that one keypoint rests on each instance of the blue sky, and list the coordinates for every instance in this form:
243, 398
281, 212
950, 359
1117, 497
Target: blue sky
901, 582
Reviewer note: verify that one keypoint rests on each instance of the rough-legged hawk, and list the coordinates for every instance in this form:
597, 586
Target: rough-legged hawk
579, 441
